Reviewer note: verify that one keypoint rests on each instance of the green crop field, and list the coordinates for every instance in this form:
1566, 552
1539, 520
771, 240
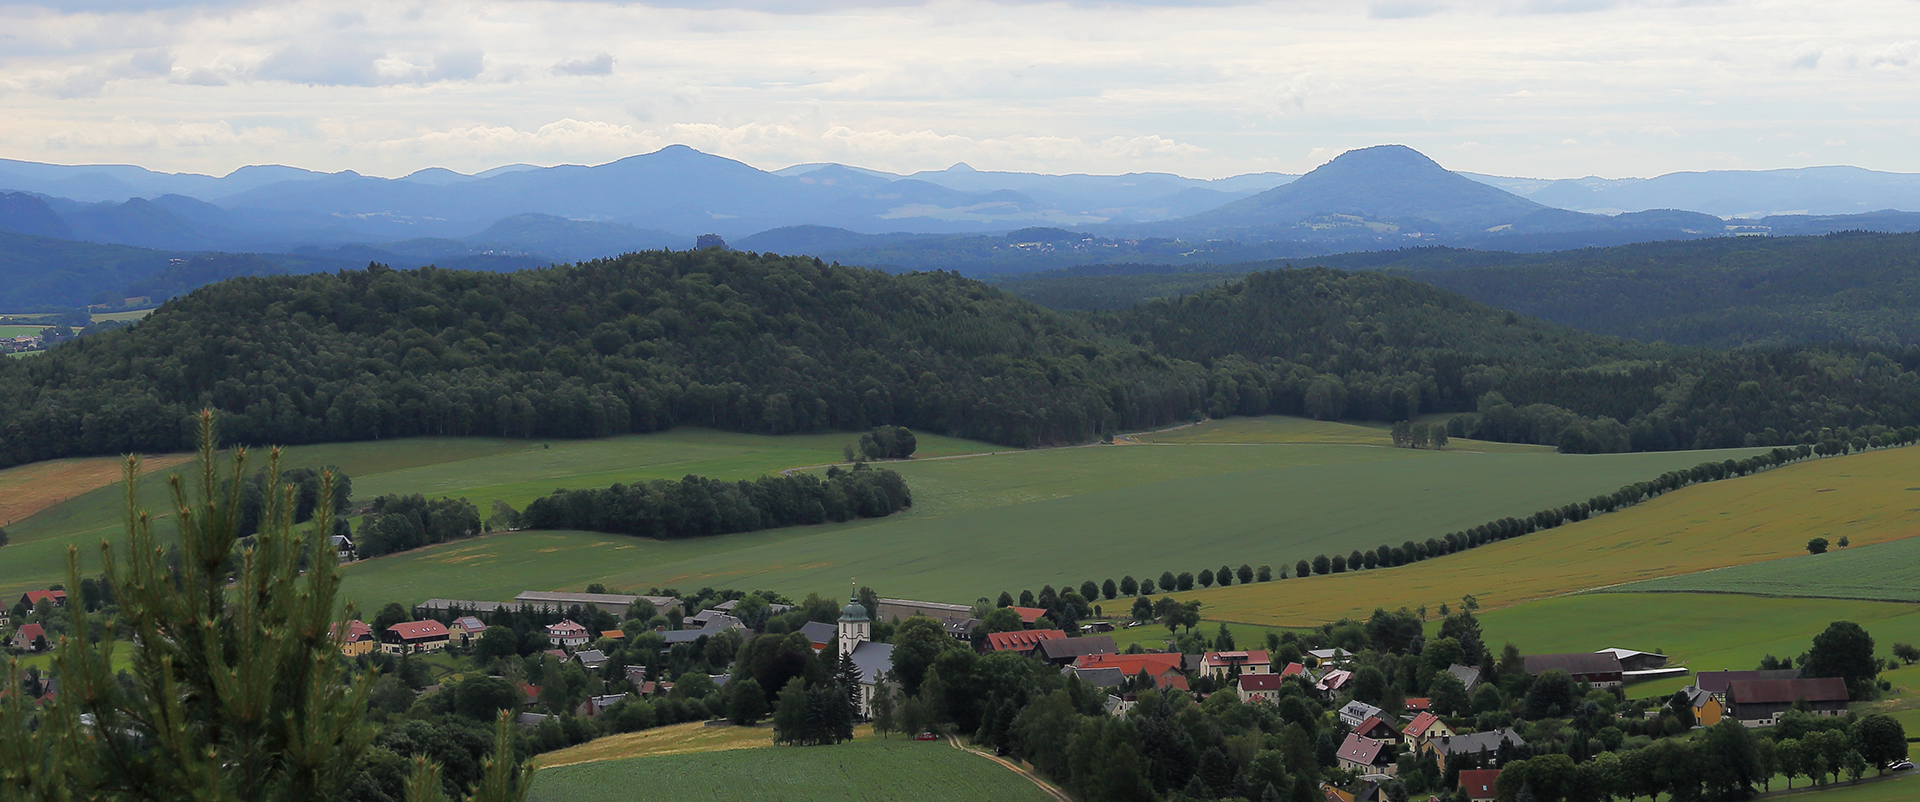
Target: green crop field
479, 469
1895, 788
1881, 571
1025, 519
925, 771
1702, 631
137, 314
1276, 430
10, 332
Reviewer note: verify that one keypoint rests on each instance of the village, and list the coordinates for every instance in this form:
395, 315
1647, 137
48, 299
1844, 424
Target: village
580, 663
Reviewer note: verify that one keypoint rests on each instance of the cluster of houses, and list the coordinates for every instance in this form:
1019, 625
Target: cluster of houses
31, 637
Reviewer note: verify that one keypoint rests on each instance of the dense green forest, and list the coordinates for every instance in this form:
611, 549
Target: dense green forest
699, 507
760, 343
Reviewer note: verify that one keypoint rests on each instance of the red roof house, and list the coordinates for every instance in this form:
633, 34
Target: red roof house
408, 637
1219, 664
1292, 669
1260, 687
23, 639
1377, 730
1477, 784
1023, 641
1425, 726
34, 597
1366, 755
1029, 615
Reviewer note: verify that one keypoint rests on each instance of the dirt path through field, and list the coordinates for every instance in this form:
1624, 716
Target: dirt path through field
1045, 787
29, 489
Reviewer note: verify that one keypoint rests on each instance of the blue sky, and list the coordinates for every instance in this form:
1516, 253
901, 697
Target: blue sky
1547, 88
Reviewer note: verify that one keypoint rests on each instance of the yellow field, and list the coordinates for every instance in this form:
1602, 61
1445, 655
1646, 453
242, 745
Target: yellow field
1281, 430
674, 740
1869, 498
27, 489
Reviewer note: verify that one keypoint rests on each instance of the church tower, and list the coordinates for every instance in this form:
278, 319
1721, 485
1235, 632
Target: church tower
855, 627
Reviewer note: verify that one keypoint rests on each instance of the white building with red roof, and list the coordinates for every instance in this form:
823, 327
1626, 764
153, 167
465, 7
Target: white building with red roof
411, 637
1220, 665
1367, 756
1259, 687
1426, 727
567, 635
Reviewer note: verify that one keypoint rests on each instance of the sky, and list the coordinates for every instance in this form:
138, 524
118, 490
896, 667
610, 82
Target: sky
1538, 88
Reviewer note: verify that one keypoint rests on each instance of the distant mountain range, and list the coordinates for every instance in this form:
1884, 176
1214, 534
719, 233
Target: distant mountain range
1384, 197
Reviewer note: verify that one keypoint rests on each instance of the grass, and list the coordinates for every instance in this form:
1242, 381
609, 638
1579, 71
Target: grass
1896, 788
1279, 430
137, 314
1704, 632
1026, 519
856, 770
1881, 572
10, 332
1732, 522
674, 740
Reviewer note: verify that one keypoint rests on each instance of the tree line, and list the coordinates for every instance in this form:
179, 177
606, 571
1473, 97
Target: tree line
698, 507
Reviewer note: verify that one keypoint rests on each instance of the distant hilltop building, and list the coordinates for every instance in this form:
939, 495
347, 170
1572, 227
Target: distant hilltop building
709, 241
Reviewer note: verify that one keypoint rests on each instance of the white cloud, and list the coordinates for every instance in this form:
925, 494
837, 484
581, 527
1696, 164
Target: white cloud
595, 65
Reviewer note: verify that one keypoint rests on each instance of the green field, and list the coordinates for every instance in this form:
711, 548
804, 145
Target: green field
925, 771
137, 314
1702, 631
1894, 789
479, 469
10, 332
1880, 572
1026, 519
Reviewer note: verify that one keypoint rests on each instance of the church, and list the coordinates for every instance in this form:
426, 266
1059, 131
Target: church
854, 636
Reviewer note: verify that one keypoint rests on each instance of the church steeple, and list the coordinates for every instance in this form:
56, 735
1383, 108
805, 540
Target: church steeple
855, 626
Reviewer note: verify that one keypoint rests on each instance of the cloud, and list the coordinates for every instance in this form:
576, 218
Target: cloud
307, 64
597, 65
1403, 9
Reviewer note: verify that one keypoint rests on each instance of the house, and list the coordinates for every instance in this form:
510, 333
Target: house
1477, 784
1364, 755
636, 676
819, 634
411, 637
1096, 677
530, 694
1716, 682
1377, 730
1333, 682
1064, 651
531, 720
1485, 745
1292, 669
1356, 712
1631, 660
567, 634
1331, 656
30, 638
1021, 642
957, 619
1759, 703
343, 546
1097, 626
33, 598
1426, 727
613, 634
1707, 708
1469, 676
1029, 615
710, 618
1220, 665
1119, 705
359, 639
1419, 704
594, 706
1601, 670
872, 660
465, 628
1259, 687
6, 616
1154, 664
592, 659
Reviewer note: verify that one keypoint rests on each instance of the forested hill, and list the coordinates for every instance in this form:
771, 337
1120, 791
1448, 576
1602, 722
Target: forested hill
773, 344
644, 342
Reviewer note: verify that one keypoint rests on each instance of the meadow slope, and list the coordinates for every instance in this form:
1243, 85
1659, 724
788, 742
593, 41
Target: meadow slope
927, 771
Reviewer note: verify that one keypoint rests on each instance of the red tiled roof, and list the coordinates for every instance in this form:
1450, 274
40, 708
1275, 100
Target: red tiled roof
470, 623
1165, 681
1373, 727
1259, 682
1029, 615
416, 630
1021, 641
1478, 783
355, 630
1365, 751
1292, 669
1776, 691
28, 632
566, 627
1418, 704
1224, 659
613, 634
36, 596
1335, 680
532, 691
1421, 723
1132, 664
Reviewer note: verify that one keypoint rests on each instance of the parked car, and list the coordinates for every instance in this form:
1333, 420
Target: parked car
926, 736
1903, 765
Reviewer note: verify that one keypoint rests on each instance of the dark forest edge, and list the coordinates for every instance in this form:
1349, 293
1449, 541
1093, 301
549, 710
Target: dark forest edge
776, 345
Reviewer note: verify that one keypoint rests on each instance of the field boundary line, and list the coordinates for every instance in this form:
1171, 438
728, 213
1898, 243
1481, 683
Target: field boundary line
1045, 787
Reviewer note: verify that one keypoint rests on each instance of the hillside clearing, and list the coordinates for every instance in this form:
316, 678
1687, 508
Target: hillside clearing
29, 489
892, 769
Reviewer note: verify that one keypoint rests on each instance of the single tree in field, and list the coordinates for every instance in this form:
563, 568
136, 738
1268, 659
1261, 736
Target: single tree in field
1245, 574
1339, 564
1321, 565
1817, 545
236, 689
1128, 586
1265, 574
1906, 653
1109, 590
1880, 739
1437, 435
1091, 591
1026, 598
1184, 581
1146, 587
1142, 609
1166, 581
1223, 575
1206, 577
1844, 542
1005, 600
1302, 569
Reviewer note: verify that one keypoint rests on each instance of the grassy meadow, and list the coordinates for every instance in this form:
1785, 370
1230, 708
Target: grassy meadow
927, 771
10, 332
1881, 572
1733, 522
676, 739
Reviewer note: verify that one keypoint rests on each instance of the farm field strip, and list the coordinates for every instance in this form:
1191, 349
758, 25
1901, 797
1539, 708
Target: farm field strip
1731, 522
29, 489
1881, 572
10, 332
1280, 430
867, 769
671, 740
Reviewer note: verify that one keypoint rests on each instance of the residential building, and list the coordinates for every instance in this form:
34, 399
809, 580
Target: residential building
1485, 745
1021, 642
1426, 727
1377, 730
1064, 651
1707, 708
1096, 677
1759, 703
1331, 657
567, 635
359, 639
1333, 682
819, 634
1221, 665
1469, 676
465, 628
1367, 755
772, 608
873, 660
1477, 784
33, 598
1292, 669
1601, 670
1418, 704
343, 546
30, 638
595, 706
413, 637
957, 619
591, 659
713, 619
1029, 615
1716, 682
613, 634
1259, 687
1357, 711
